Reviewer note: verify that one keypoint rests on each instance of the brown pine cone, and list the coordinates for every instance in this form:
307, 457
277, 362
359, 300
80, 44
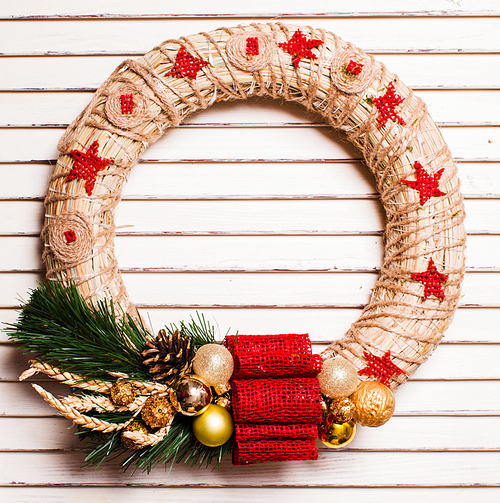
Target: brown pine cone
168, 355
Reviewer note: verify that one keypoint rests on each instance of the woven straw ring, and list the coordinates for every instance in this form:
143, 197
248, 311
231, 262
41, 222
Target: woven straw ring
419, 286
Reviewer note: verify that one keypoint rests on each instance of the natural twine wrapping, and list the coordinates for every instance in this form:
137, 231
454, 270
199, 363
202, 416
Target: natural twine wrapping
396, 318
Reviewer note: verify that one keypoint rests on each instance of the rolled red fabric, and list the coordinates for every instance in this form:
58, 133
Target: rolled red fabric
286, 343
282, 401
266, 451
251, 432
251, 365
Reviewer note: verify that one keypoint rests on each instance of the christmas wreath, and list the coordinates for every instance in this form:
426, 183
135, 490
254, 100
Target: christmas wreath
180, 395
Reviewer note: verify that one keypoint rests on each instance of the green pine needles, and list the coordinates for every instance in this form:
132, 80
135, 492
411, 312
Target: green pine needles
60, 328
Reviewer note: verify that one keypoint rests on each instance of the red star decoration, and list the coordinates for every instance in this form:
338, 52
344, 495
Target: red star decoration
354, 68
186, 65
386, 106
427, 185
433, 280
86, 165
381, 368
300, 47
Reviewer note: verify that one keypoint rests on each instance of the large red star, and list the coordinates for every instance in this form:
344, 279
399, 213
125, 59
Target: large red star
300, 47
432, 279
86, 165
186, 65
381, 368
427, 185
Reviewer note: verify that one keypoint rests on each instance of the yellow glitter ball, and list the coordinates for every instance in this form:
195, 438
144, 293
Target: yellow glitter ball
338, 378
214, 364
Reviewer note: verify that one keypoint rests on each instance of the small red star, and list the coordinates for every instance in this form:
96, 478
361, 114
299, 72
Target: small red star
86, 165
300, 47
186, 65
381, 368
386, 106
354, 68
70, 236
427, 185
433, 280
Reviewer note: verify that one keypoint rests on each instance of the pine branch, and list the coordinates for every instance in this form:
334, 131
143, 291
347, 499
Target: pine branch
62, 329
200, 333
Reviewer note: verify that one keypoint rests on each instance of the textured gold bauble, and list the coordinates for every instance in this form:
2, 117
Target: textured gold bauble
214, 364
374, 403
134, 426
122, 393
341, 409
338, 378
191, 396
334, 434
157, 411
214, 427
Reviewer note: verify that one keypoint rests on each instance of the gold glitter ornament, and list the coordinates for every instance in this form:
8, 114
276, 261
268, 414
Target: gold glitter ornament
374, 403
214, 364
214, 427
138, 426
191, 396
122, 393
341, 409
157, 411
338, 378
334, 434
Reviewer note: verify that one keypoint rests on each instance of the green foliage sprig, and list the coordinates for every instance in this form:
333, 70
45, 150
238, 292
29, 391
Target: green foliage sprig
61, 328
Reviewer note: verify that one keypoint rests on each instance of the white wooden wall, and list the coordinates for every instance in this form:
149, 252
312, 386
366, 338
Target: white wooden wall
266, 221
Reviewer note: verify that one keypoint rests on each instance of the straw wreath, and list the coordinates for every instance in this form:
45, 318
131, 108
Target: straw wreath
328, 76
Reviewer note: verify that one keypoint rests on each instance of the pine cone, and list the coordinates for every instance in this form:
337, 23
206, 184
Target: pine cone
168, 355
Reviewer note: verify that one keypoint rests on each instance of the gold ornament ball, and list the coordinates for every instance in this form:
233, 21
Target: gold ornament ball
134, 426
191, 396
334, 434
214, 364
214, 427
157, 411
374, 403
341, 409
338, 378
122, 393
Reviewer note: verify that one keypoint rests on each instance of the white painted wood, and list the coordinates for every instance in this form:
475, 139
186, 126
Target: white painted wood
229, 8
275, 144
388, 35
154, 494
332, 469
418, 71
215, 234
472, 107
470, 325
288, 217
236, 180
451, 362
435, 433
236, 253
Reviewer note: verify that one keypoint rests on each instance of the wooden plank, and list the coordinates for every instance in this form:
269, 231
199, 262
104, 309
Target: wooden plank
434, 433
262, 143
415, 398
155, 494
418, 71
350, 468
233, 180
451, 362
244, 217
470, 325
387, 35
225, 8
237, 253
200, 290
446, 107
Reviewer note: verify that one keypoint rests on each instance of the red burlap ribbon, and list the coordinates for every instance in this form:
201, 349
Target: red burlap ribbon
276, 398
